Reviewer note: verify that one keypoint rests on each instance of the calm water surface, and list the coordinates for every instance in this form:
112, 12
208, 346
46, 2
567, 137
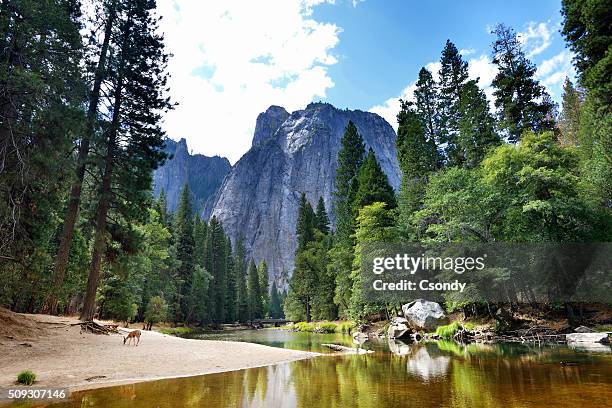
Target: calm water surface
442, 374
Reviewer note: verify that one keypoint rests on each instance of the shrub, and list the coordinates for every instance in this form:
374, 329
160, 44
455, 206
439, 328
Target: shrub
448, 331
26, 377
327, 327
175, 330
304, 327
345, 327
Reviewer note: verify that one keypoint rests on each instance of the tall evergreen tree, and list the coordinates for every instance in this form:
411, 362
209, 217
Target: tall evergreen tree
322, 220
417, 157
453, 75
216, 263
242, 301
476, 125
522, 102
108, 14
427, 104
276, 311
569, 118
264, 287
185, 252
350, 157
586, 27
373, 185
133, 141
253, 292
306, 223
231, 295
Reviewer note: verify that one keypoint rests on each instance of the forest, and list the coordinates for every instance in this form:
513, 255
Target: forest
81, 103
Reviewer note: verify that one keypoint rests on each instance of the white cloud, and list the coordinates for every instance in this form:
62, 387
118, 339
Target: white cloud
536, 38
467, 51
553, 71
234, 59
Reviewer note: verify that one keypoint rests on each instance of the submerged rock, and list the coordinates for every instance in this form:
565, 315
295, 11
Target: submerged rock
424, 315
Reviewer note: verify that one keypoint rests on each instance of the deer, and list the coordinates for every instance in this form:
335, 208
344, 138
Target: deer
133, 335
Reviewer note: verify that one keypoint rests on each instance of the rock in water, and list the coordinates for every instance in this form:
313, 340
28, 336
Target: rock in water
424, 315
398, 328
588, 338
583, 329
259, 198
203, 174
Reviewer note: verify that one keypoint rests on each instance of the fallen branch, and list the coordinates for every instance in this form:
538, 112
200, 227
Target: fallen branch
96, 328
344, 349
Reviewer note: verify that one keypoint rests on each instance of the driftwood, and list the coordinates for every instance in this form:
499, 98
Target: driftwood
97, 328
348, 350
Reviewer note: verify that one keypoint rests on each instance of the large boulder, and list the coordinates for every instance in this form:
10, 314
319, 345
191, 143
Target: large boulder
398, 328
424, 315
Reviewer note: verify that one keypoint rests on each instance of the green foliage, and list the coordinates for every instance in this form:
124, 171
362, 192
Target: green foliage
26, 377
254, 292
569, 117
185, 251
327, 327
304, 327
346, 327
448, 331
157, 310
375, 223
276, 311
175, 331
264, 289
453, 75
216, 264
322, 220
240, 270
373, 185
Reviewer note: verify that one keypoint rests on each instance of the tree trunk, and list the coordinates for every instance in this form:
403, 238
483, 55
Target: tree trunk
61, 260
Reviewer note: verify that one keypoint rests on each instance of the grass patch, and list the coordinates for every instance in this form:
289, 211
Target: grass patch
327, 327
26, 377
600, 328
449, 331
345, 327
175, 330
304, 327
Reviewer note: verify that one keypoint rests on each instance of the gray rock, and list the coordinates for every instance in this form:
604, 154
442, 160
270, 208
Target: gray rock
587, 338
259, 198
583, 329
424, 315
203, 174
398, 328
268, 123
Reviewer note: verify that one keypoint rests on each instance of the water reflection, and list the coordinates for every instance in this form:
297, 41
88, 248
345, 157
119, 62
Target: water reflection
443, 374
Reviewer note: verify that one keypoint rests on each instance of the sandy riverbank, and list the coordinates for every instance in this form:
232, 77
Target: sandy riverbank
62, 357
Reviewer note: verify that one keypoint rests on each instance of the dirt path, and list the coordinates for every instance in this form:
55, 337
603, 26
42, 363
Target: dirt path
62, 357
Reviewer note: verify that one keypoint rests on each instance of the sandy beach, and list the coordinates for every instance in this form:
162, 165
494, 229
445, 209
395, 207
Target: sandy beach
62, 357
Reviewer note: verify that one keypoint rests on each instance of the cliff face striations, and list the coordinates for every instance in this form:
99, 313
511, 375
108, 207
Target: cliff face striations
292, 153
203, 174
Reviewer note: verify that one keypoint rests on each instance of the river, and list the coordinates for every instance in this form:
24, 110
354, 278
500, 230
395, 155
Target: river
436, 374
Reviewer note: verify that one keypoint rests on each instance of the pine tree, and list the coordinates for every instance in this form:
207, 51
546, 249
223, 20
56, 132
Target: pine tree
453, 75
185, 252
417, 157
569, 118
109, 16
276, 310
427, 104
264, 287
586, 27
350, 157
215, 263
373, 185
242, 301
322, 220
476, 125
231, 295
522, 102
133, 142
254, 293
306, 223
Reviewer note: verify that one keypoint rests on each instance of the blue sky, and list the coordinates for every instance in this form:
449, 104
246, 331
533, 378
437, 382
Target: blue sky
232, 59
